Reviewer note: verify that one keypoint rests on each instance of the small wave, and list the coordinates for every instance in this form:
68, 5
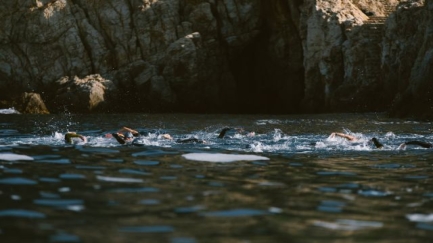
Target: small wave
9, 111
14, 157
349, 225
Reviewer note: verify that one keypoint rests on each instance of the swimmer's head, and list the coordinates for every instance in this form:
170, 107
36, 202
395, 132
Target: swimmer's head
377, 143
129, 135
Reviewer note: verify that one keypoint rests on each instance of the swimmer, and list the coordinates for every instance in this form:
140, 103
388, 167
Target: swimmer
127, 135
343, 135
222, 134
239, 130
403, 145
124, 135
352, 138
70, 135
125, 130
190, 140
377, 143
166, 136
123, 138
418, 143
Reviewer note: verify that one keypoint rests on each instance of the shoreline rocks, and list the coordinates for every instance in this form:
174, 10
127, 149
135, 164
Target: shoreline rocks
297, 56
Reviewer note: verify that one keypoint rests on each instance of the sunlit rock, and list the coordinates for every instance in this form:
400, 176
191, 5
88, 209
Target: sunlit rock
32, 103
84, 95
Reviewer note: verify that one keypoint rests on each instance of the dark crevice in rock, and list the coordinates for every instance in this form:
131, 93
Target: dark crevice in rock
81, 33
134, 30
267, 81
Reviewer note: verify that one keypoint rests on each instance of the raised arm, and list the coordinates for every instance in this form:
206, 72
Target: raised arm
223, 132
376, 142
127, 129
70, 135
346, 136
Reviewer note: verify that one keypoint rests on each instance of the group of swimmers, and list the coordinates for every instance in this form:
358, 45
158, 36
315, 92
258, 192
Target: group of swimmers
378, 144
127, 135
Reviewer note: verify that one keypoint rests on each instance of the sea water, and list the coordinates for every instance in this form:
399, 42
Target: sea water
290, 182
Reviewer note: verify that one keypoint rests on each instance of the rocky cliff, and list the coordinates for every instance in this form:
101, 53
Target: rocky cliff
279, 56
407, 59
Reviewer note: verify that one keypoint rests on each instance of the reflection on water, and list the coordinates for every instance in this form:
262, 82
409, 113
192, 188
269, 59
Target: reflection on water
288, 183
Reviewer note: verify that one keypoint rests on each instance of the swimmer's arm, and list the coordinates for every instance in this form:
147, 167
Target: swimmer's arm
346, 136
167, 136
79, 136
69, 136
127, 129
118, 138
223, 132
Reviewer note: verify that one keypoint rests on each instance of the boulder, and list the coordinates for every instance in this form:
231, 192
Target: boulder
31, 103
90, 94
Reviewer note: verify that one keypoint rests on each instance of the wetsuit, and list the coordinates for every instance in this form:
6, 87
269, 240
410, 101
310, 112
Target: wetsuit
119, 138
190, 140
125, 138
377, 143
419, 143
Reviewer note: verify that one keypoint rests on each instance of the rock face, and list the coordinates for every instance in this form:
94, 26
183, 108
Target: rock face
279, 56
163, 55
408, 59
342, 47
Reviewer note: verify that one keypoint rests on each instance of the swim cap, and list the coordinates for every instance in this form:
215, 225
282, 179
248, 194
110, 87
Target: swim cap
129, 135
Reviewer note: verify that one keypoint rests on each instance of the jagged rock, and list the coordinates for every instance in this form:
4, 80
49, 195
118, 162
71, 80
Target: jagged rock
91, 93
408, 59
31, 103
342, 55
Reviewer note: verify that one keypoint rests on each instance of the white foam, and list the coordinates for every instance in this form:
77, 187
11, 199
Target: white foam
225, 158
349, 225
13, 157
9, 111
420, 217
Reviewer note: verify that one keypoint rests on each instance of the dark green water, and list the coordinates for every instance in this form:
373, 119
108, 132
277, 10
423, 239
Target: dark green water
301, 187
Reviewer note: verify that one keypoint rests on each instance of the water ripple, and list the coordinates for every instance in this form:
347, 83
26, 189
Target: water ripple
18, 181
21, 213
147, 229
235, 213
